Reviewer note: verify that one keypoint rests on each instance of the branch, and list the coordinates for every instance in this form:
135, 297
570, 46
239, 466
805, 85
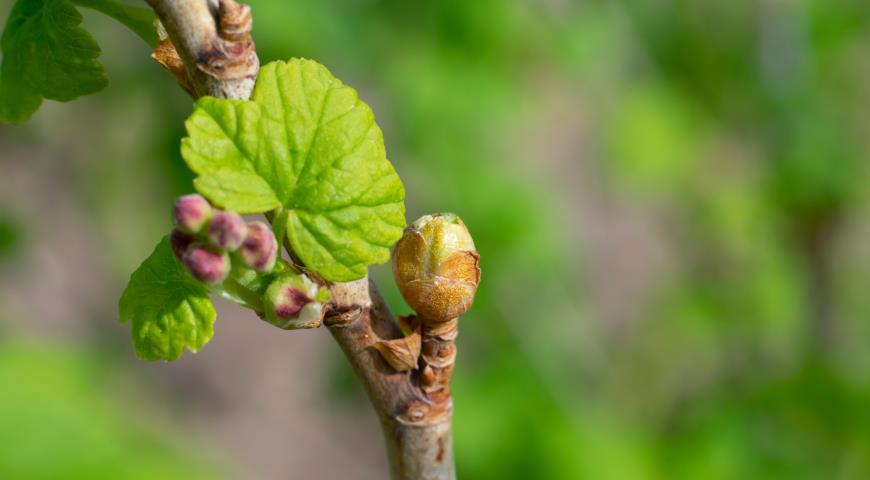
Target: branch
416, 426
215, 48
214, 43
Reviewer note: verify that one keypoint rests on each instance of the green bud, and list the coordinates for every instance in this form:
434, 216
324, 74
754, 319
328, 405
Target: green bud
294, 301
435, 265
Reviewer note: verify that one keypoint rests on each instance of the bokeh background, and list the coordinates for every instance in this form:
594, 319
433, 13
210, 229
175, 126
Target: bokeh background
671, 202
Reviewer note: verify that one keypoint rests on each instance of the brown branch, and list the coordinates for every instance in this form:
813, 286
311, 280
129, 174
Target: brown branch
214, 42
416, 425
214, 45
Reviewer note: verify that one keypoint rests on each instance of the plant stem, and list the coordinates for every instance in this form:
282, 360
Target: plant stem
215, 46
248, 298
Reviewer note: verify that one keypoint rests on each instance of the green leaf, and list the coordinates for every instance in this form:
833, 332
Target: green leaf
139, 20
168, 309
239, 191
47, 54
321, 154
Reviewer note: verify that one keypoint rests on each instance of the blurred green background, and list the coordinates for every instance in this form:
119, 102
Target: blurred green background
669, 198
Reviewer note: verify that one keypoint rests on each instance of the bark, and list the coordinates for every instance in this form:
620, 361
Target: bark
416, 424
438, 356
213, 42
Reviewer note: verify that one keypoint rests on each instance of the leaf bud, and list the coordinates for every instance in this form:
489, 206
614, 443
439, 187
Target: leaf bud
294, 301
259, 250
206, 263
191, 212
436, 267
226, 230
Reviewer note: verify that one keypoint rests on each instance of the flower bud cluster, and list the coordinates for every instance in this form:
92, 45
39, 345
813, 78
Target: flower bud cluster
204, 238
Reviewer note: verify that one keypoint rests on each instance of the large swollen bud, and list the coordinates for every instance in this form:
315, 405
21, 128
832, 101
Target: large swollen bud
436, 267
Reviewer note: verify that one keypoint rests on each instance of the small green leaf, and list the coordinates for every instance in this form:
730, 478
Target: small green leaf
318, 149
47, 54
168, 309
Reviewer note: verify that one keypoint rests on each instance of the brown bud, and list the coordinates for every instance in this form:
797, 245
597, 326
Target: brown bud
401, 353
235, 21
436, 267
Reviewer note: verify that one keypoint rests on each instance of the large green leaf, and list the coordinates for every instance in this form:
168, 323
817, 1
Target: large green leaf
168, 309
47, 54
307, 144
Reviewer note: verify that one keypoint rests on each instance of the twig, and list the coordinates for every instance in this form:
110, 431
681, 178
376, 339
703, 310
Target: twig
215, 46
214, 42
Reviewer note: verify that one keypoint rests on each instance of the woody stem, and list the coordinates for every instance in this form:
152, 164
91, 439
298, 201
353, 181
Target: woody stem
215, 46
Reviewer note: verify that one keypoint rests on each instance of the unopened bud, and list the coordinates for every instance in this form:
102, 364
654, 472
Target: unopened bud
191, 212
294, 301
436, 267
226, 230
260, 249
180, 241
206, 263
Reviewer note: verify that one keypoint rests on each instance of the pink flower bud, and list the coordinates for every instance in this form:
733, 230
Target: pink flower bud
191, 212
226, 230
206, 264
294, 301
260, 249
289, 303
179, 241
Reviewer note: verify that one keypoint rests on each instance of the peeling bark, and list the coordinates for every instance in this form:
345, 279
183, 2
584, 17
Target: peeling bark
438, 356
